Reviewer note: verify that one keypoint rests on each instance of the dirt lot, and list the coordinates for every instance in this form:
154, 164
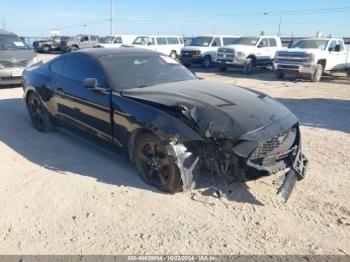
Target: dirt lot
60, 195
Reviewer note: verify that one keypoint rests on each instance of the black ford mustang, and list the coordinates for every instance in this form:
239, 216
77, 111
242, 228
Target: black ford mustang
162, 117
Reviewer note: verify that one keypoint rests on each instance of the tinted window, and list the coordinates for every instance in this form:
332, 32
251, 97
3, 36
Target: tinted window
263, 43
140, 71
118, 40
79, 68
273, 42
173, 41
217, 42
141, 40
181, 40
332, 46
229, 40
57, 66
161, 41
84, 38
93, 38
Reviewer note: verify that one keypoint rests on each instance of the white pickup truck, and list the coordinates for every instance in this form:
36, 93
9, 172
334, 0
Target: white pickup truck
312, 57
248, 53
203, 49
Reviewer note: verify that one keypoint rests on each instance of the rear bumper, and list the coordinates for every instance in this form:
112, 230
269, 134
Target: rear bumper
295, 68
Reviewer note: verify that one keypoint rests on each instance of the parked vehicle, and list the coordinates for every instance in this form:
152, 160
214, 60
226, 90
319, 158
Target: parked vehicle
248, 53
115, 41
167, 45
164, 119
312, 57
202, 49
52, 44
15, 56
79, 42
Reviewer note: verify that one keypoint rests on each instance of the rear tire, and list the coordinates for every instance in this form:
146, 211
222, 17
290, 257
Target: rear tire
74, 48
47, 49
248, 66
38, 114
155, 166
317, 75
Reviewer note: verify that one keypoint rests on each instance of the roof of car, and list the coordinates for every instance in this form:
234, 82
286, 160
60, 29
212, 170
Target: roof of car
2, 32
99, 52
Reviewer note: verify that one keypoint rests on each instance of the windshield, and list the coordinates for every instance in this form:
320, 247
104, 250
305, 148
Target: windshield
246, 41
107, 40
138, 71
141, 40
12, 42
201, 41
311, 43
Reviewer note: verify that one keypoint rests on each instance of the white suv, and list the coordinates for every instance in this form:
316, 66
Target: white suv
202, 49
115, 41
168, 45
249, 52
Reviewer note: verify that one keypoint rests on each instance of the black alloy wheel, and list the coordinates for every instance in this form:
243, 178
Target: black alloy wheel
155, 166
38, 114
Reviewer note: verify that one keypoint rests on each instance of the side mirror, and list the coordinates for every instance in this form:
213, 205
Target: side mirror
92, 83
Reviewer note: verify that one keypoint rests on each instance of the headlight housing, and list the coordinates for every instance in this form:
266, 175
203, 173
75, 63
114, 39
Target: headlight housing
240, 54
35, 60
310, 58
197, 53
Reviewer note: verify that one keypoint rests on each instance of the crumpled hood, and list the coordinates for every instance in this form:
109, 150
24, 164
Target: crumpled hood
219, 110
17, 55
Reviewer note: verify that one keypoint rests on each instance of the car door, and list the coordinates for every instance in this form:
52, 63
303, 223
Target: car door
79, 107
335, 59
263, 54
84, 42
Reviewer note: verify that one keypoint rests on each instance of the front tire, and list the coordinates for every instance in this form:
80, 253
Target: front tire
317, 75
279, 74
206, 63
74, 48
38, 114
155, 166
173, 55
248, 66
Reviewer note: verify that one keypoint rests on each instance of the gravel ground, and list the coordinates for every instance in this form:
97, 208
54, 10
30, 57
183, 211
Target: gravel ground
61, 195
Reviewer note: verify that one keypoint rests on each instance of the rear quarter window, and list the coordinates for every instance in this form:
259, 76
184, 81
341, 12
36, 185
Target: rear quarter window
161, 41
229, 40
173, 41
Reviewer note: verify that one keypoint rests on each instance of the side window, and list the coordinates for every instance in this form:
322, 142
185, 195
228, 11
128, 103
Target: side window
57, 66
173, 41
273, 42
118, 40
181, 40
84, 38
332, 46
341, 44
263, 43
78, 68
161, 41
229, 40
217, 42
93, 38
152, 41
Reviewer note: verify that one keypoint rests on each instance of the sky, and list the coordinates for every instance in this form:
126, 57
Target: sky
180, 17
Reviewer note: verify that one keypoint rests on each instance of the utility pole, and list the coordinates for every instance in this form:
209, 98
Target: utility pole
279, 27
111, 19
